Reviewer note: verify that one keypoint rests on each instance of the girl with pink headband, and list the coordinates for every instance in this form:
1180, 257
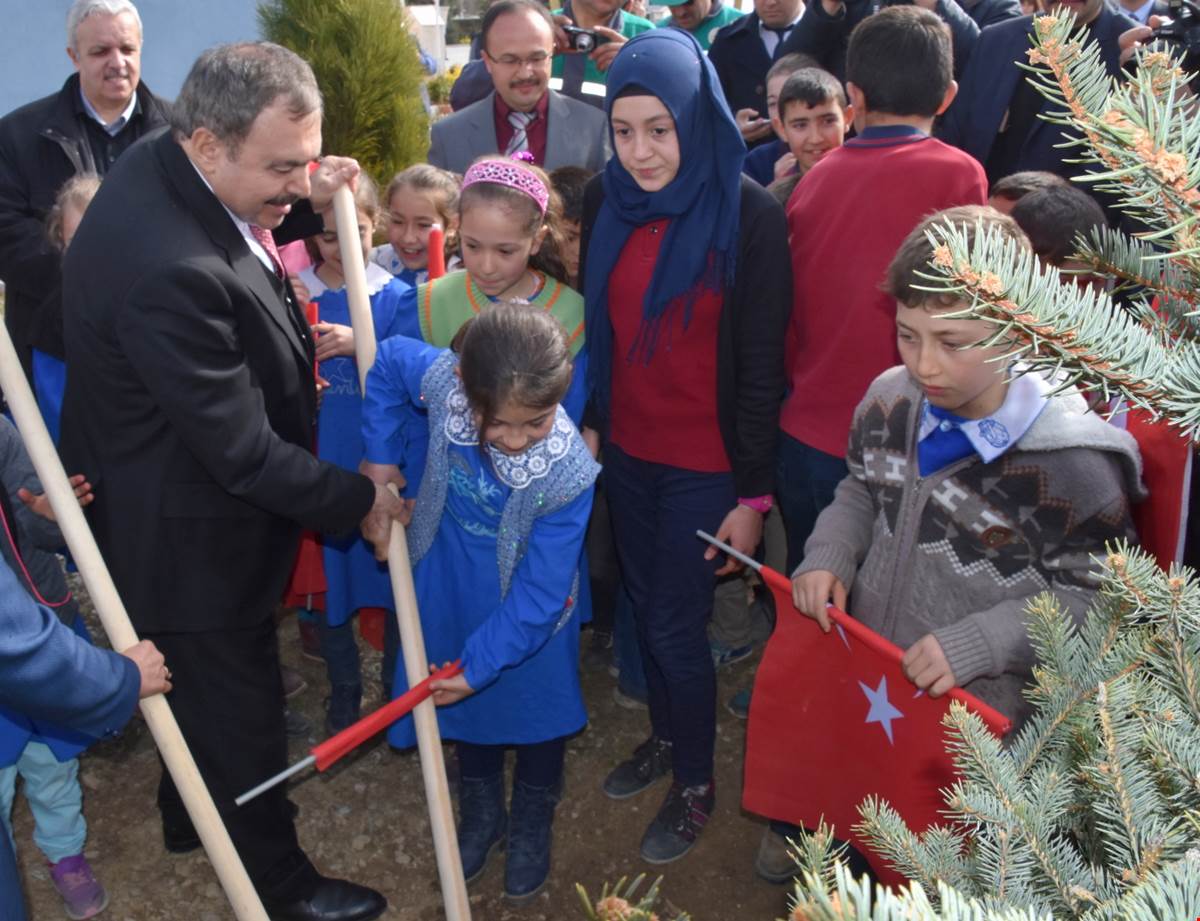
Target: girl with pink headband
509, 231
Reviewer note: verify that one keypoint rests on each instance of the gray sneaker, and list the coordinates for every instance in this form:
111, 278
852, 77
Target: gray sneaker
650, 763
775, 862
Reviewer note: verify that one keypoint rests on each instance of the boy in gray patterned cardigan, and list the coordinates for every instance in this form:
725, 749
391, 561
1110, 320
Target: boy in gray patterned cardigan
969, 492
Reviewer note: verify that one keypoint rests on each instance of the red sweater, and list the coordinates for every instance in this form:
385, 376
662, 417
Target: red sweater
664, 410
846, 220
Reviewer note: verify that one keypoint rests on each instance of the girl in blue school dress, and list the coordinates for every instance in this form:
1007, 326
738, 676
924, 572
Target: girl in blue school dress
495, 540
354, 579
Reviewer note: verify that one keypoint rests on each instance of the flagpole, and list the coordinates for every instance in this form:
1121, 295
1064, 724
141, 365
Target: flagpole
769, 575
412, 641
121, 635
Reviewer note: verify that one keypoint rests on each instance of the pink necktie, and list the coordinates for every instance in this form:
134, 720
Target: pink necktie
267, 242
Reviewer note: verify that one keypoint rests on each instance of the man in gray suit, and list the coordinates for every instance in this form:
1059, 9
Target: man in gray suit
522, 113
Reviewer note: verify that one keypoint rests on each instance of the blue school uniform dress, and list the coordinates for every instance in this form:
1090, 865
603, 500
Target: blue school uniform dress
354, 579
495, 542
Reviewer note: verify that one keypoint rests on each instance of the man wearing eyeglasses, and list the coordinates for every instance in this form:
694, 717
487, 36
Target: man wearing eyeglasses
522, 114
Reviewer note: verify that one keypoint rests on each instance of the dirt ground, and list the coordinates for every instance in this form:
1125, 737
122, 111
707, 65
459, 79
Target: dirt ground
366, 820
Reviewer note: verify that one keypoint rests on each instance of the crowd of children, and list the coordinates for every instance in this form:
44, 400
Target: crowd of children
721, 332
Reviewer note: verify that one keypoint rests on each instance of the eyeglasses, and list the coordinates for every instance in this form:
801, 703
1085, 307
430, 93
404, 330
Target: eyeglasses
535, 60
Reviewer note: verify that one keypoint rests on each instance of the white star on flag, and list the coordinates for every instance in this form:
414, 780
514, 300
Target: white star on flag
881, 711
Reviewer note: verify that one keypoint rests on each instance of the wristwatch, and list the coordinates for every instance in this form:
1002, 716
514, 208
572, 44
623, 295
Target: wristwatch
760, 504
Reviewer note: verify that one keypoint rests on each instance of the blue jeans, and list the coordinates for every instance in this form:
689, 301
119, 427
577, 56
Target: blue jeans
632, 676
805, 481
55, 799
656, 510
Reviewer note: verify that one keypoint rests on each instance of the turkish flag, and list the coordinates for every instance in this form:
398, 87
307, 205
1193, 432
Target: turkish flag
1161, 519
834, 720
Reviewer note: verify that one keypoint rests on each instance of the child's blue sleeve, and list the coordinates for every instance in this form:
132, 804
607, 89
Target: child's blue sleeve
576, 397
390, 305
527, 616
393, 390
404, 321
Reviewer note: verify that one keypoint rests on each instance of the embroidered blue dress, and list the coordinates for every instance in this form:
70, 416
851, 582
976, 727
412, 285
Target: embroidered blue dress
354, 578
497, 541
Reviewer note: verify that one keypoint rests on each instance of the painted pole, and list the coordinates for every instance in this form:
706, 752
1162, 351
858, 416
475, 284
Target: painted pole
167, 736
412, 640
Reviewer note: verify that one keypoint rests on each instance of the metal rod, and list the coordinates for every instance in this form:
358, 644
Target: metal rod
736, 554
276, 780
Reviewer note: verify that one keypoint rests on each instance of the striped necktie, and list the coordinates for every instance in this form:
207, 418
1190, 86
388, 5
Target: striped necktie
520, 122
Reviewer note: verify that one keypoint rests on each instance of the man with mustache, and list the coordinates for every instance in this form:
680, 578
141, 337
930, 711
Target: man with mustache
522, 114
84, 127
191, 404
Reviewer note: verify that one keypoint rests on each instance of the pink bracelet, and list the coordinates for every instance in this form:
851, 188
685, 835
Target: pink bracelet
760, 504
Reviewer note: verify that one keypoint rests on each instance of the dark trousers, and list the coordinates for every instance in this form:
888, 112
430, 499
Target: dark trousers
656, 510
228, 700
539, 764
805, 481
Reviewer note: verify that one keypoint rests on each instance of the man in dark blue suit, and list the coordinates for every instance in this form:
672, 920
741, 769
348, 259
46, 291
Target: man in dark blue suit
48, 673
743, 52
995, 119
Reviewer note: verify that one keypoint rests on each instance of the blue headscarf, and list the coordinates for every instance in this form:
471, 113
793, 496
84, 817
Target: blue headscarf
699, 250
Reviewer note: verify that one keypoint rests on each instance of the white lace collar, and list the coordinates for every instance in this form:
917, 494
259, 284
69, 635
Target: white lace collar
514, 470
377, 278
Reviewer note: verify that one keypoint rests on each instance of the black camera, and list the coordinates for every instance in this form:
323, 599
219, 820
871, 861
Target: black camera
1183, 31
584, 41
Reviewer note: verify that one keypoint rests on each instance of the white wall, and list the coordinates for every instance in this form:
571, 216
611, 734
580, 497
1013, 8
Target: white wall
34, 62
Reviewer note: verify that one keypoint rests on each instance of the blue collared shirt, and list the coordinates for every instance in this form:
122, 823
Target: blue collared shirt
113, 128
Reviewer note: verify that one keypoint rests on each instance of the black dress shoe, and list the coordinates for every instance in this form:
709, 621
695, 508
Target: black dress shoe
332, 900
179, 837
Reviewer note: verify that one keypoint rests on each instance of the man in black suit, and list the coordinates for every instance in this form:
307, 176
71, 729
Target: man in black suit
743, 52
191, 403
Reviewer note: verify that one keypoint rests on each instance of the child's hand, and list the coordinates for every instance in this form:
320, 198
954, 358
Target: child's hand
333, 340
812, 589
784, 165
383, 474
331, 174
449, 690
40, 505
925, 665
591, 438
742, 530
300, 289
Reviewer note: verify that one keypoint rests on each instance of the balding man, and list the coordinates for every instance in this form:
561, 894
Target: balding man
83, 128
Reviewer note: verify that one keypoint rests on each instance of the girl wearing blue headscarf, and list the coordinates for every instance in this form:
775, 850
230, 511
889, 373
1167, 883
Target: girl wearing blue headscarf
687, 282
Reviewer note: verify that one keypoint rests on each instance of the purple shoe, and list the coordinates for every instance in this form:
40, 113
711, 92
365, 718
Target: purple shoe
82, 895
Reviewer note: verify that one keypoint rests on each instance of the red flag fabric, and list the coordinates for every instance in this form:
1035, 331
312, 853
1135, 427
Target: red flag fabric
1167, 472
437, 253
833, 720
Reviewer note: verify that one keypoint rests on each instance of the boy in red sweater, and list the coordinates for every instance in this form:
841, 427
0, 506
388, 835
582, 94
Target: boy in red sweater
847, 219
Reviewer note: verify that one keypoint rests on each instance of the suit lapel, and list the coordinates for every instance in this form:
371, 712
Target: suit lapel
482, 138
212, 216
560, 144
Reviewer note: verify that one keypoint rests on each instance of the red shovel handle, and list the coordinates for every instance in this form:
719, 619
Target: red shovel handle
335, 747
437, 253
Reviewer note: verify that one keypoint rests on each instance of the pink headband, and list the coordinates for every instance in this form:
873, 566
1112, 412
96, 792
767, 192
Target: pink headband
512, 174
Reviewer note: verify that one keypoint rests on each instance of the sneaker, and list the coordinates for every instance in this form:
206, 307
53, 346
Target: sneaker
651, 762
295, 724
82, 895
723, 656
598, 652
310, 639
293, 682
531, 816
775, 862
482, 823
739, 704
682, 817
343, 707
628, 701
